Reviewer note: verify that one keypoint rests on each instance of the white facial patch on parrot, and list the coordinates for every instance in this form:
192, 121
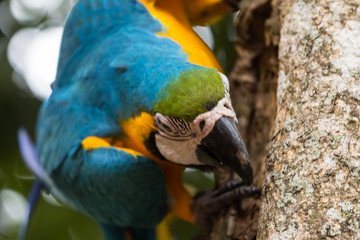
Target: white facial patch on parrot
178, 139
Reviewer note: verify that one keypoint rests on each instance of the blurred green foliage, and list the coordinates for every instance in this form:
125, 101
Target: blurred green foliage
18, 108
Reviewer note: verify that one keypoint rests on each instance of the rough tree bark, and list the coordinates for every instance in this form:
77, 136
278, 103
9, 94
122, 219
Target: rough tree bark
312, 187
253, 89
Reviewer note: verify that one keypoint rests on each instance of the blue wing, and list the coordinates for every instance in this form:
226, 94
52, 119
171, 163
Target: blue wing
114, 187
107, 183
91, 20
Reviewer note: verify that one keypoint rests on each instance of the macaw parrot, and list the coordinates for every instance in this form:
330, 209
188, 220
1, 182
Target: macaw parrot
138, 97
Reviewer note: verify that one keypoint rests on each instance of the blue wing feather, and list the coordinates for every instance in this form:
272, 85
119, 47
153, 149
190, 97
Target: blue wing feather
92, 20
114, 187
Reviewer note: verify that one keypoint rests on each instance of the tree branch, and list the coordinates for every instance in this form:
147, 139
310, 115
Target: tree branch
312, 187
253, 90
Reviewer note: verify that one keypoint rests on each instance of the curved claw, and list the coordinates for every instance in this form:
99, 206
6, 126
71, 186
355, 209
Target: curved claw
228, 186
206, 206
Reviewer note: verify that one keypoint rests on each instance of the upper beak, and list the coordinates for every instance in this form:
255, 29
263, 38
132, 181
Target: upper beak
225, 144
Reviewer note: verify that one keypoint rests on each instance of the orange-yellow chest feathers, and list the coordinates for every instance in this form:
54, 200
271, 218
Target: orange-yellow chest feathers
136, 131
171, 13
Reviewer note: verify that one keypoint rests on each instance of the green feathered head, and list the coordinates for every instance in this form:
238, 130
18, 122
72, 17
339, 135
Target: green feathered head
191, 93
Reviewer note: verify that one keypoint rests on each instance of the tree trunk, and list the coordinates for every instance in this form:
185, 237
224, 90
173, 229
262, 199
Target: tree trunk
312, 187
253, 90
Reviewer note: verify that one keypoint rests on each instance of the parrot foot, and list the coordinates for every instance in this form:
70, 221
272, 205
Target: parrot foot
207, 205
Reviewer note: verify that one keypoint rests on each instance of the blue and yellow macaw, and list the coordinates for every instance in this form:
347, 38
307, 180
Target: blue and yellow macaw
138, 97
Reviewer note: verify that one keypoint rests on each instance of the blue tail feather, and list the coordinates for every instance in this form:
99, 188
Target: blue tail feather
143, 233
32, 199
113, 232
28, 153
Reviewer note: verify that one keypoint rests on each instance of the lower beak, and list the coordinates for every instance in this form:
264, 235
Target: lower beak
224, 143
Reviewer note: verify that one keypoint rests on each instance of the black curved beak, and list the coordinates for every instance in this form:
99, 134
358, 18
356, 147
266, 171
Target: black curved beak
225, 144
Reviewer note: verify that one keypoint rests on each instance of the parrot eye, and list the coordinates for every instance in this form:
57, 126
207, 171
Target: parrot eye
226, 105
202, 124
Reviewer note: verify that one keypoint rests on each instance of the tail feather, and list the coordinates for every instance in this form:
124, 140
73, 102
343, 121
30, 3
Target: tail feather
143, 233
33, 199
29, 155
113, 232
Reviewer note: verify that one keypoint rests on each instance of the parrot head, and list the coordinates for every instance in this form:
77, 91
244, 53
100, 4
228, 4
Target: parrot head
196, 125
